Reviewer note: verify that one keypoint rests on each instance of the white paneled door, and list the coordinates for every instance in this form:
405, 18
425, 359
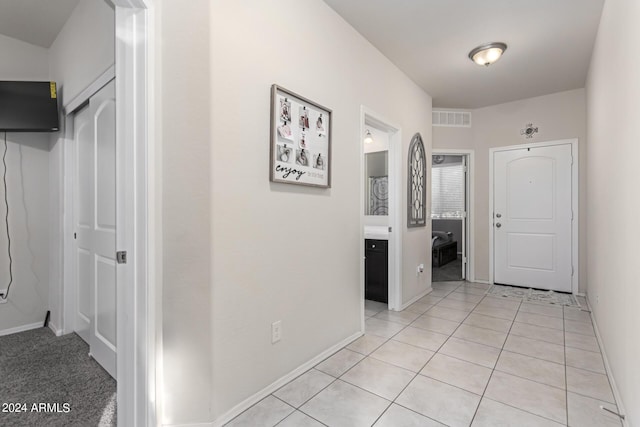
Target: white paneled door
96, 225
532, 217
83, 196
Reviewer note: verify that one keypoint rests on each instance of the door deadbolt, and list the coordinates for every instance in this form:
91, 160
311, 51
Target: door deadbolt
498, 215
498, 225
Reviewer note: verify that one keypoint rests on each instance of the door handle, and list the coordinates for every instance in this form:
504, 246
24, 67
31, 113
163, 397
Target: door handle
498, 225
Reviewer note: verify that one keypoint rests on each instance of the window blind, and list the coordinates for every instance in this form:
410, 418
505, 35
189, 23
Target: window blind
447, 185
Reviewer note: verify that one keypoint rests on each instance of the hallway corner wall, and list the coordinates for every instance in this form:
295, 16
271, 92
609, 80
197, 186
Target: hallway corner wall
613, 104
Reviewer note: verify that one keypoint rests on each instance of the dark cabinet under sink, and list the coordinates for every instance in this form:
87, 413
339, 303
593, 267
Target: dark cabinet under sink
376, 270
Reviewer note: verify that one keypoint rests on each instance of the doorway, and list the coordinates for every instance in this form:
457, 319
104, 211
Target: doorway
380, 198
533, 219
451, 205
137, 328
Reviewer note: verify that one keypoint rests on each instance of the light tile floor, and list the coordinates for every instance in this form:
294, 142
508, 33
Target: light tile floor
456, 357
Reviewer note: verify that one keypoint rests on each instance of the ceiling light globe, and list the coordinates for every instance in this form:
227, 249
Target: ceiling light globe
487, 54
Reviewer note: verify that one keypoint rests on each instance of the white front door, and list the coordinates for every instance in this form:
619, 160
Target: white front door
96, 224
532, 217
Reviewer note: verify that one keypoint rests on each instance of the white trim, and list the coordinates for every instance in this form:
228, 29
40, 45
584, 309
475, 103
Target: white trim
607, 367
575, 189
484, 282
136, 317
55, 329
252, 400
470, 275
88, 92
395, 201
21, 329
211, 424
412, 300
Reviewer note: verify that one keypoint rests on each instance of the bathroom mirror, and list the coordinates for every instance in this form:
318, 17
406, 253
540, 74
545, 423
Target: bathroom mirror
376, 183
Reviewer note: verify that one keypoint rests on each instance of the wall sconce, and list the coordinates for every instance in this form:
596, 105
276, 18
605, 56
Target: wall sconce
368, 139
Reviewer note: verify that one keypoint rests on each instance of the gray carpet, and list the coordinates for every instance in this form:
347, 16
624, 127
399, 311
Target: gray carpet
38, 367
451, 272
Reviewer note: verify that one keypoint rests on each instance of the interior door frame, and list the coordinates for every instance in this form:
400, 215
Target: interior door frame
137, 198
575, 190
470, 202
395, 212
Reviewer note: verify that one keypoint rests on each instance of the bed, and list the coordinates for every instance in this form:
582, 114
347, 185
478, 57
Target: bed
443, 248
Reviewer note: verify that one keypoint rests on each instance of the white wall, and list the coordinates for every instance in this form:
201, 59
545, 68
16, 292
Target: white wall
558, 116
283, 252
27, 177
22, 61
241, 252
84, 48
613, 205
183, 95
81, 52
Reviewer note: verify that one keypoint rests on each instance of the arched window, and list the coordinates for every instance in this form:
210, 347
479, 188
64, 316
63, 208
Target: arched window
416, 184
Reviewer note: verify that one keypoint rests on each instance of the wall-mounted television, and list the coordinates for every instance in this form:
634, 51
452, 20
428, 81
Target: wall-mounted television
28, 106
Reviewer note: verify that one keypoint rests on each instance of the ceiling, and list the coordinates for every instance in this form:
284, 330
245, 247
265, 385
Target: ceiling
549, 44
34, 21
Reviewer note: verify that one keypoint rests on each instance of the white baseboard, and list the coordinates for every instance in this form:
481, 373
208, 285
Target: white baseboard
21, 329
55, 329
412, 300
247, 403
484, 282
190, 425
607, 367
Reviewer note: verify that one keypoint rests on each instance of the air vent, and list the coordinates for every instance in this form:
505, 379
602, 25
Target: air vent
460, 119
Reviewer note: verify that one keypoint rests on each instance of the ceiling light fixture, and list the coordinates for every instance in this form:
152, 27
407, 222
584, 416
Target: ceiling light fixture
488, 53
368, 139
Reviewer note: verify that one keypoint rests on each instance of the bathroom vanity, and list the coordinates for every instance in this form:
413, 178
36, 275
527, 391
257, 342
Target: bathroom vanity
376, 270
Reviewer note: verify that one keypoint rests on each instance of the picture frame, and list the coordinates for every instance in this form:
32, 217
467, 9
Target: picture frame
300, 141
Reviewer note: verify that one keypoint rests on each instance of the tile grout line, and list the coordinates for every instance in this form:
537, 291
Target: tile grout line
434, 353
494, 366
438, 352
298, 409
517, 311
494, 369
418, 372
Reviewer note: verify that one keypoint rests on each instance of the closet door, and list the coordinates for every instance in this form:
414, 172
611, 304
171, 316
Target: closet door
83, 220
96, 225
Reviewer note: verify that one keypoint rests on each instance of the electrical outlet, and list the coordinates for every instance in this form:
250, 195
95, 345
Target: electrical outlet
276, 331
419, 269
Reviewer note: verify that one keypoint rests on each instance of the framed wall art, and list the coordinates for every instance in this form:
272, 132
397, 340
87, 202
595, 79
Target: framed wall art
300, 140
